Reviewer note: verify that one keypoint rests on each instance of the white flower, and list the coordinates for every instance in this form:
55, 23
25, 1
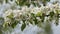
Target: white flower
8, 12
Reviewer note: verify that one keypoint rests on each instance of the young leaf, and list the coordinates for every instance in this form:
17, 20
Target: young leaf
10, 16
42, 17
35, 20
39, 14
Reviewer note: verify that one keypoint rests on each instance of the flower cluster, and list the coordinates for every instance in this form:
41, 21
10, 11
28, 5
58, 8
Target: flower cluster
35, 15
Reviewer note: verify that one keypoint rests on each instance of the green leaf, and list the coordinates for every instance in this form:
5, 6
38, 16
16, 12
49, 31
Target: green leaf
48, 0
26, 3
23, 26
1, 18
57, 11
57, 20
34, 3
51, 14
15, 22
35, 20
20, 2
31, 21
42, 17
32, 14
6, 1
45, 0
